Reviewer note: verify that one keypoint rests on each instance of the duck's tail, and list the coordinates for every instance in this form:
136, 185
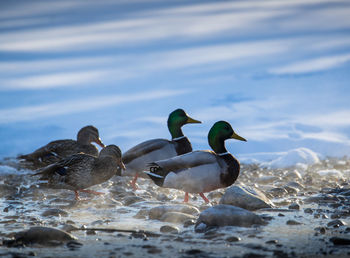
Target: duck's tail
156, 173
46, 171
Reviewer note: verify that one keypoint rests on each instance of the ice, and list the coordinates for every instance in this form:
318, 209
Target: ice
300, 158
330, 173
296, 157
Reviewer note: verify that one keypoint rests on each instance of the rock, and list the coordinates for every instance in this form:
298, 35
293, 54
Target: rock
246, 198
43, 235
295, 185
227, 215
294, 174
141, 214
267, 179
159, 211
68, 228
215, 195
322, 199
169, 229
294, 206
291, 190
293, 222
55, 213
189, 223
322, 230
176, 217
336, 223
274, 241
308, 210
233, 239
132, 199
200, 228
277, 192
340, 241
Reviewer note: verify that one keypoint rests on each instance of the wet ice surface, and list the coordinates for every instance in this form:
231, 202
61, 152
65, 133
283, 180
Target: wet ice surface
308, 202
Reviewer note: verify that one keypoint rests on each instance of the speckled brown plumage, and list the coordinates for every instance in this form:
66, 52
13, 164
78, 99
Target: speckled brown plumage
57, 150
81, 171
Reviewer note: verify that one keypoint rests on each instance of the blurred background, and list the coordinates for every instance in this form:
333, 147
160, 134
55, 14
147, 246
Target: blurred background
278, 71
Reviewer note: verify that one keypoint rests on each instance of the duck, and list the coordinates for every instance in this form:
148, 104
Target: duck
201, 171
80, 171
137, 158
56, 150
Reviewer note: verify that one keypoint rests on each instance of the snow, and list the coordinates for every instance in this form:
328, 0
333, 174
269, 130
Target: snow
330, 173
300, 157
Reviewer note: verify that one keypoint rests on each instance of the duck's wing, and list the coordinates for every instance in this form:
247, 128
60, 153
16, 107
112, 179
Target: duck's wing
144, 148
192, 172
139, 156
72, 171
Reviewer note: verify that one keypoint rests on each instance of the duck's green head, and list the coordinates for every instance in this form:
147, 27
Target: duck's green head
177, 119
220, 132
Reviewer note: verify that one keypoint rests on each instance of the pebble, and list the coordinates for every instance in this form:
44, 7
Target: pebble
291, 190
340, 241
293, 222
308, 210
90, 232
294, 206
189, 223
336, 223
55, 213
43, 235
200, 228
159, 211
277, 192
176, 217
245, 197
141, 214
233, 239
274, 241
294, 174
132, 199
68, 228
227, 215
169, 229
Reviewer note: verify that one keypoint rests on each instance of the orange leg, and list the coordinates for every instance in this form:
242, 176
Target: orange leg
76, 195
186, 197
204, 198
133, 182
91, 192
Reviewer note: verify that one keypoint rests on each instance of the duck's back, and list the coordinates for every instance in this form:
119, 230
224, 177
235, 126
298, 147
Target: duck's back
57, 150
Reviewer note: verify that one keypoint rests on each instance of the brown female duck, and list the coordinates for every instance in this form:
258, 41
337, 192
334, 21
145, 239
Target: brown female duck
57, 150
81, 171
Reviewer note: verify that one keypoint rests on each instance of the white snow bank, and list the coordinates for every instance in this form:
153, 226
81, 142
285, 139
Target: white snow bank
330, 173
299, 157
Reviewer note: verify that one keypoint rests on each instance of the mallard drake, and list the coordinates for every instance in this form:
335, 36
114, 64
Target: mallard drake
81, 171
200, 171
57, 150
137, 158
